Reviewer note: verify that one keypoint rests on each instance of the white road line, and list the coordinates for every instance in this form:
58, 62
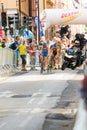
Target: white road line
6, 94
24, 111
44, 98
42, 101
3, 124
25, 122
31, 101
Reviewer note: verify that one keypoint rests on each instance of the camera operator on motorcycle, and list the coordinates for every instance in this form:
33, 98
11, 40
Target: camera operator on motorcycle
71, 56
80, 38
75, 54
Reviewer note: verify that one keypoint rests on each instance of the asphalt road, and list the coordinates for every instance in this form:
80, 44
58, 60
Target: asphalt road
34, 101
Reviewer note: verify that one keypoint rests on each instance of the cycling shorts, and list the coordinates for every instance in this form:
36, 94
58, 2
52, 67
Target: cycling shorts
44, 52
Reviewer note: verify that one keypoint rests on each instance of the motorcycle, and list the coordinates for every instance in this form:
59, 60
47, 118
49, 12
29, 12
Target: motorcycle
70, 58
74, 57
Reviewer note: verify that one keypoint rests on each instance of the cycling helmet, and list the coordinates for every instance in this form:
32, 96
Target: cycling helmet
44, 44
41, 43
55, 46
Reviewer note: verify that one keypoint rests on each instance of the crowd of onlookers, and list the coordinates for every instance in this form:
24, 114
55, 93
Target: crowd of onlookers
30, 46
21, 47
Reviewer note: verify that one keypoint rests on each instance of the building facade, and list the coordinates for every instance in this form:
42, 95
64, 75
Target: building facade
14, 5
30, 8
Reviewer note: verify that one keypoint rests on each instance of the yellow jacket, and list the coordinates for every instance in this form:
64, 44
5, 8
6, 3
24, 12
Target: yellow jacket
0, 45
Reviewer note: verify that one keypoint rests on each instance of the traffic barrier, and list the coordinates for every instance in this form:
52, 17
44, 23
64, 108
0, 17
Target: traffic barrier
7, 60
28, 57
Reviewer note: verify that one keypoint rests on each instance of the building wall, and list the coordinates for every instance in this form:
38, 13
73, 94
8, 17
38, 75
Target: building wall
51, 3
24, 7
8, 4
15, 5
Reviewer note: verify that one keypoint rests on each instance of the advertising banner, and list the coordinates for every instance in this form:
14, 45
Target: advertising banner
50, 17
36, 23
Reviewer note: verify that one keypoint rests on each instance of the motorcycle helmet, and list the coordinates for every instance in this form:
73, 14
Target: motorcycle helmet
77, 36
77, 42
82, 35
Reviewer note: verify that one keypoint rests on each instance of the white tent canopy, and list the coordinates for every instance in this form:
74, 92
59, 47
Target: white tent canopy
50, 17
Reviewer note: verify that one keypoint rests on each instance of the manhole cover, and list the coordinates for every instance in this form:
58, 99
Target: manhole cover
21, 96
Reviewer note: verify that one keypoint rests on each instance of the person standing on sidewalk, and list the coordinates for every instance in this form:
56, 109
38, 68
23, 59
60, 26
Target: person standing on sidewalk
17, 44
22, 50
0, 43
32, 52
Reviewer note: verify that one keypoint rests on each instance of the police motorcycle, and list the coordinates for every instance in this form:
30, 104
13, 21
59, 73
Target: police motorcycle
70, 58
75, 56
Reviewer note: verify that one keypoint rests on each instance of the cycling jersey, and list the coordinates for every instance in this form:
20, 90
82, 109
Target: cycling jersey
54, 48
54, 51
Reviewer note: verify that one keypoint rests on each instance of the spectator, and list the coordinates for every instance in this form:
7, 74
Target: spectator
3, 43
32, 52
22, 49
8, 42
17, 43
0, 42
12, 44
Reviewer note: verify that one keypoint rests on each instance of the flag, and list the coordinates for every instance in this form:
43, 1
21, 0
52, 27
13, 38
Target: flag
40, 24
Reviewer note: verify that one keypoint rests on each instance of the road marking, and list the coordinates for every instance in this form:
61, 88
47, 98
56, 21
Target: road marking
23, 111
25, 122
44, 98
6, 94
3, 124
42, 95
31, 101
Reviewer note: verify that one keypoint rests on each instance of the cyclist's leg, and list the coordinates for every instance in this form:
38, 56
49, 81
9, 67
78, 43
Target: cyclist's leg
50, 60
45, 62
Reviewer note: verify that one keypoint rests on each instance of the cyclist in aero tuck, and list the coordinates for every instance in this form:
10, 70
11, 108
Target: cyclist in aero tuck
44, 55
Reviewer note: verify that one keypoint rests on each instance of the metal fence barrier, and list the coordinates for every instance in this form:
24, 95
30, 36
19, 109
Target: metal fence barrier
37, 62
7, 60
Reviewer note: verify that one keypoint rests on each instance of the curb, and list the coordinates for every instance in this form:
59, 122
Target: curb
60, 119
